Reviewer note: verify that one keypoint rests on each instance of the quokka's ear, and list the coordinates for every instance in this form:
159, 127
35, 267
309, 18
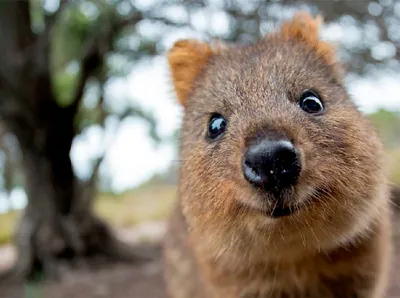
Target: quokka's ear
303, 27
186, 60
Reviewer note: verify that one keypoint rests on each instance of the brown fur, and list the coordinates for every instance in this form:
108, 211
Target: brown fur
306, 29
221, 241
186, 60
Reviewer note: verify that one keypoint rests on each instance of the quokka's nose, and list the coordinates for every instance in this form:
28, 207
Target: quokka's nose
272, 164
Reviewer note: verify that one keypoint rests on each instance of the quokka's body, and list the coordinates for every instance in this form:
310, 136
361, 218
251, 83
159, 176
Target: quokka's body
282, 187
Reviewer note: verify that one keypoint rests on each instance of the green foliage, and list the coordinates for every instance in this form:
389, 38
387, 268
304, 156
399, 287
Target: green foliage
67, 45
37, 17
69, 36
64, 82
79, 23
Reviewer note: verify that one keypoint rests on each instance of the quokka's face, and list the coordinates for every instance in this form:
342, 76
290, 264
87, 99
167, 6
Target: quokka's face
269, 129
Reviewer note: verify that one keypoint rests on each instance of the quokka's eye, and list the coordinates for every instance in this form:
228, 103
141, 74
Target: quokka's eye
311, 103
216, 126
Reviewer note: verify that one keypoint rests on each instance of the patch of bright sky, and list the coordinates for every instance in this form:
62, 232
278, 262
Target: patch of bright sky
16, 200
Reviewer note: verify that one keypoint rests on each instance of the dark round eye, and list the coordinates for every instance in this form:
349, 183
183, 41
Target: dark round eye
216, 126
310, 102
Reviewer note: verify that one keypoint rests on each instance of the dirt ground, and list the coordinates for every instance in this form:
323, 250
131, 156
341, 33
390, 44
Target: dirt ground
127, 281
111, 281
105, 280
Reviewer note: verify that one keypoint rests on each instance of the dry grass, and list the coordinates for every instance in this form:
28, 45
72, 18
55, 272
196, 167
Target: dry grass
131, 208
394, 164
7, 222
128, 209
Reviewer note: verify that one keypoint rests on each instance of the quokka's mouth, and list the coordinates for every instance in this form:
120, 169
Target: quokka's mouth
280, 205
281, 211
277, 211
269, 209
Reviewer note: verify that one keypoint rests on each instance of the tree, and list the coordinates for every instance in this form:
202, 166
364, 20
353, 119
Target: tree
41, 105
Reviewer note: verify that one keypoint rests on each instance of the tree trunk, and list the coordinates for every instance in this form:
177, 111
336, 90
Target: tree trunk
58, 224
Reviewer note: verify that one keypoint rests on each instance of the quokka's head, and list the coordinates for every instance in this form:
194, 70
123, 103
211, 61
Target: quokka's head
270, 136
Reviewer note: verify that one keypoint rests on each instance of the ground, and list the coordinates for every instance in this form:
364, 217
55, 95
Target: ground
123, 280
117, 281
102, 280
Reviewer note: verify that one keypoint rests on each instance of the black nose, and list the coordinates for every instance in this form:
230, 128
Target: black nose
272, 164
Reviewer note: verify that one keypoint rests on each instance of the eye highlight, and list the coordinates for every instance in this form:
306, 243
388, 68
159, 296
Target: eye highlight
311, 103
216, 126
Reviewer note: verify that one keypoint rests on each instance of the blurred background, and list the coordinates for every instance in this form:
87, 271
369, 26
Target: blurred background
89, 126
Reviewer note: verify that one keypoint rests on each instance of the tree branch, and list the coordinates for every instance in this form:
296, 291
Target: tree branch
17, 38
95, 50
96, 167
15, 113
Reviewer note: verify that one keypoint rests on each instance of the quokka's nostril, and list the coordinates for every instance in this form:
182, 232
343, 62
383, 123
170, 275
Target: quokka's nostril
250, 173
247, 163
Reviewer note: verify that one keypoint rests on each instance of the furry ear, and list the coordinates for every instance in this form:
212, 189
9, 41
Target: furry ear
304, 28
186, 60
